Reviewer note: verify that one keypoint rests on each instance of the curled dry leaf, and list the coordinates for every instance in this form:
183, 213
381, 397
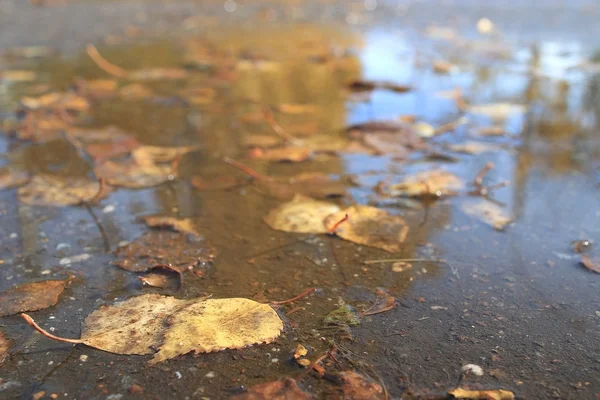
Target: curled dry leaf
5, 344
163, 247
301, 215
435, 183
282, 154
179, 225
158, 280
283, 389
48, 190
369, 226
593, 264
301, 351
487, 212
383, 303
358, 387
11, 177
31, 297
496, 394
142, 324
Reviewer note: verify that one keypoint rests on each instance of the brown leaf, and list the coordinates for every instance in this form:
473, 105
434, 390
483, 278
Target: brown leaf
178, 225
31, 297
105, 143
262, 141
159, 280
370, 226
163, 247
280, 154
301, 215
383, 303
12, 177
97, 88
358, 387
41, 126
435, 183
388, 137
283, 389
368, 86
497, 394
57, 101
5, 344
135, 91
49, 190
473, 147
593, 264
158, 74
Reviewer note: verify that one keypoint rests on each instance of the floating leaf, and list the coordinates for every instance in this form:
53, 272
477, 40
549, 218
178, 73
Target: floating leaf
370, 226
388, 137
5, 344
159, 280
163, 247
288, 153
31, 297
283, 389
384, 303
179, 225
41, 126
105, 143
311, 184
358, 387
291, 108
473, 147
368, 86
12, 177
49, 190
301, 215
443, 67
218, 324
435, 182
497, 394
590, 263
497, 111
487, 212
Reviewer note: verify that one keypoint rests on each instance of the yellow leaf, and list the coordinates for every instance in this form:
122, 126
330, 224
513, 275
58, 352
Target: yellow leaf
498, 394
301, 215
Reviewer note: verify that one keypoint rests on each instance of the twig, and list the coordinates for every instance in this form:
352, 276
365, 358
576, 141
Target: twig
98, 225
301, 295
484, 171
35, 326
98, 194
103, 64
337, 224
435, 260
175, 164
246, 169
278, 129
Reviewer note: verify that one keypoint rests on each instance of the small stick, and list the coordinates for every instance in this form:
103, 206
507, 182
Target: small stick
98, 194
484, 171
175, 164
278, 128
98, 225
246, 169
103, 64
293, 310
35, 326
337, 224
435, 260
301, 295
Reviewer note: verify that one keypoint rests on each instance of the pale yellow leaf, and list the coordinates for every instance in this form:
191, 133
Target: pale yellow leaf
302, 215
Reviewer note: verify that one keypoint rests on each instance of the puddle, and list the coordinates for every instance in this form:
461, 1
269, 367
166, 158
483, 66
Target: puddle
514, 301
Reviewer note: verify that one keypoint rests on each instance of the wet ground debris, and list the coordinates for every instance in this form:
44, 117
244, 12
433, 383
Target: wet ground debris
32, 296
5, 344
181, 225
301, 215
384, 302
353, 385
591, 263
51, 190
196, 325
283, 389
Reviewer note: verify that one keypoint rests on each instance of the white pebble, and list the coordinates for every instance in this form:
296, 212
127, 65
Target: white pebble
62, 246
178, 374
275, 360
77, 258
472, 369
83, 358
13, 235
210, 375
108, 209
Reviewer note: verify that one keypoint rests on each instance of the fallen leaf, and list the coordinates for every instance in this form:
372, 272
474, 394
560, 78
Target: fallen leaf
487, 212
163, 247
443, 67
424, 129
158, 74
105, 143
218, 324
473, 147
345, 315
383, 303
370, 226
288, 153
497, 394
5, 344
159, 280
262, 141
401, 266
388, 137
291, 108
283, 389
435, 183
31, 297
301, 351
67, 101
179, 225
199, 95
41, 126
358, 387
49, 190
301, 215
156, 154
11, 177
590, 263
493, 130
218, 183
97, 88
497, 111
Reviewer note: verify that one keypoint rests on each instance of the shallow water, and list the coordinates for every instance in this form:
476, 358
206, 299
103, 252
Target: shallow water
516, 302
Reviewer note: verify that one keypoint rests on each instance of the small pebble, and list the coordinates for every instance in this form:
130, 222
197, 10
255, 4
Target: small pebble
83, 358
62, 246
108, 209
77, 258
472, 369
275, 360
13, 235
178, 374
210, 375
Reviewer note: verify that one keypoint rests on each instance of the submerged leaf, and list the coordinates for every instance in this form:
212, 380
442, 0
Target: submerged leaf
288, 153
301, 215
48, 190
497, 111
593, 264
358, 387
345, 315
179, 225
487, 212
370, 226
11, 177
311, 184
163, 247
31, 297
384, 303
473, 147
496, 394
218, 324
436, 183
283, 389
